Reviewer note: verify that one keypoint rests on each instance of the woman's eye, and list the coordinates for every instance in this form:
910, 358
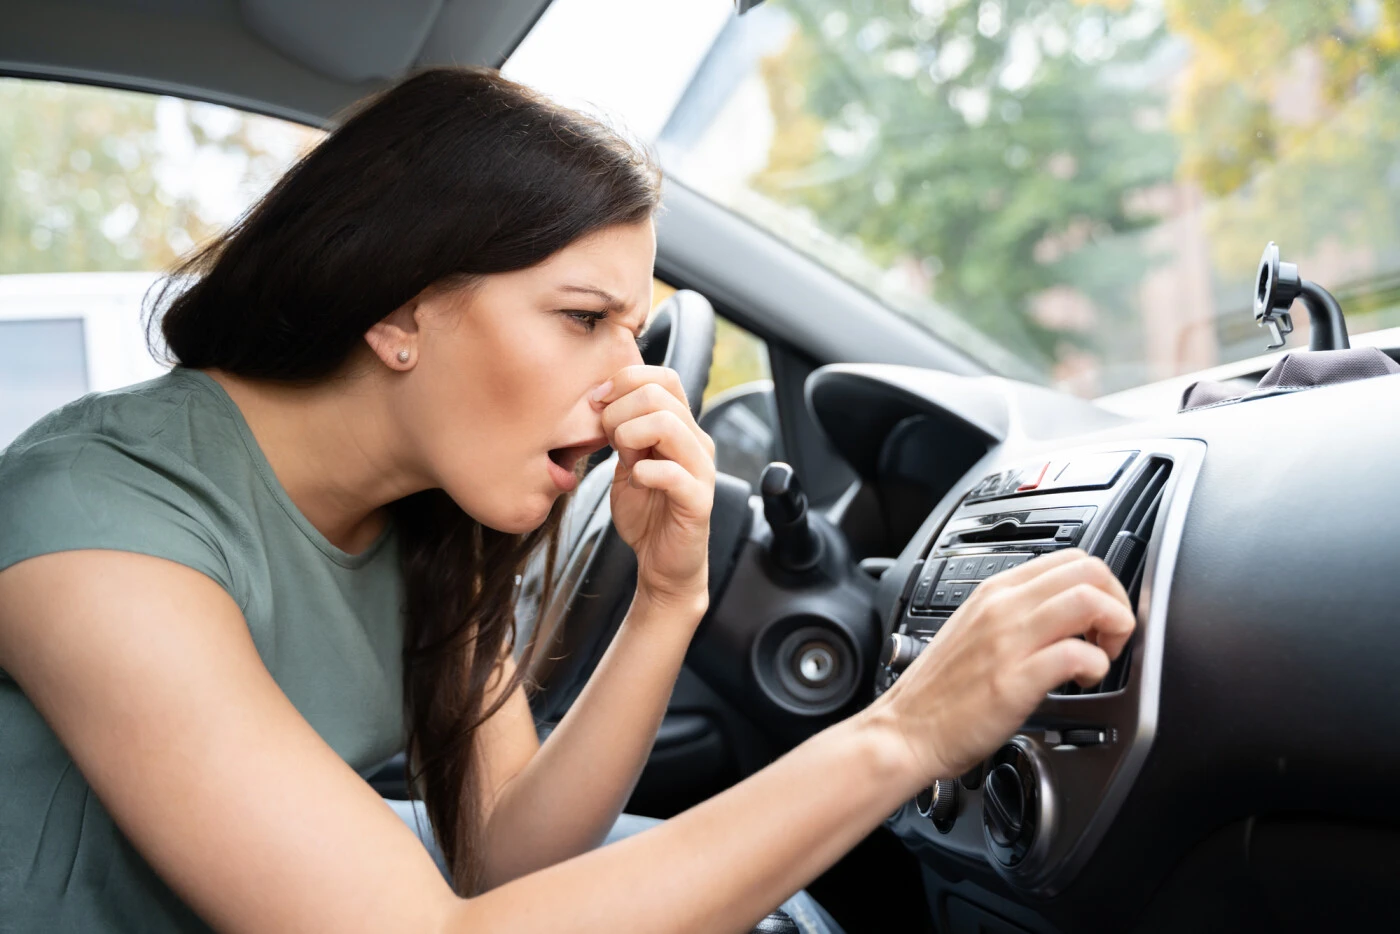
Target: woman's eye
589, 319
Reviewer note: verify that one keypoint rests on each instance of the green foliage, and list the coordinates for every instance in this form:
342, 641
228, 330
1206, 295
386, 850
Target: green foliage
100, 180
739, 358
1288, 120
989, 142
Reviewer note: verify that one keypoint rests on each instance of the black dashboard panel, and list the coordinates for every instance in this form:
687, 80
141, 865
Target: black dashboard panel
1270, 599
912, 434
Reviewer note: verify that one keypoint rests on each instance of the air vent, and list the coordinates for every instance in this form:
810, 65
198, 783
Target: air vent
1123, 546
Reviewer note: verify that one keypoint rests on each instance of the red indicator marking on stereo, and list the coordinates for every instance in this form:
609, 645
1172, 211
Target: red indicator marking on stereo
1033, 479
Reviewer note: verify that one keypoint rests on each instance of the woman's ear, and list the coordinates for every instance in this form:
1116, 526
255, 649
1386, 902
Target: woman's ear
394, 339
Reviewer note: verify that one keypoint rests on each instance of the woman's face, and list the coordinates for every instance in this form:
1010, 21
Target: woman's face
498, 395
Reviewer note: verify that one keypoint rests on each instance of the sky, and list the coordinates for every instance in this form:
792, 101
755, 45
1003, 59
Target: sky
646, 52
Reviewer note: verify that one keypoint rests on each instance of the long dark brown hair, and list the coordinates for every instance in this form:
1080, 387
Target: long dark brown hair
453, 174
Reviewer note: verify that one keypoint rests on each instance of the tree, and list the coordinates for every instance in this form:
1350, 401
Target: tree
1019, 150
101, 180
988, 141
1289, 117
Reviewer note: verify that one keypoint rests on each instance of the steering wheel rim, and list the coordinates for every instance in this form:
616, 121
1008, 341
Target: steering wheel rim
596, 572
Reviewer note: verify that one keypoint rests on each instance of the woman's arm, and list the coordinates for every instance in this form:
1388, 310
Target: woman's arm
549, 805
146, 671
560, 801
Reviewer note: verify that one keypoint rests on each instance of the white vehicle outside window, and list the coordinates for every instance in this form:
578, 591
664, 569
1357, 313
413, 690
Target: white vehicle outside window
102, 191
66, 334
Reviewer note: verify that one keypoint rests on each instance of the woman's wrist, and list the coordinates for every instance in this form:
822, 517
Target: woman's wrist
688, 604
878, 731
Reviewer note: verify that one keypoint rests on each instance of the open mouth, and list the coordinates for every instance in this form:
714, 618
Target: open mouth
570, 457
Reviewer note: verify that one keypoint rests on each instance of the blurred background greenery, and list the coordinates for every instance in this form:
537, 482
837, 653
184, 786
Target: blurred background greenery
1073, 192
1081, 180
94, 180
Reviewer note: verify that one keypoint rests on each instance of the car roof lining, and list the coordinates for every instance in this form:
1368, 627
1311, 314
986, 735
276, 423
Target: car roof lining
304, 60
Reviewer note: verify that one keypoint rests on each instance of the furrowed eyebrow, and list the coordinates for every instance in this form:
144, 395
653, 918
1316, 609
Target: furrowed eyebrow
609, 298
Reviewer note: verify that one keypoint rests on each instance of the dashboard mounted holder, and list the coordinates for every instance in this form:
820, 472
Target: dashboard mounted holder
1277, 285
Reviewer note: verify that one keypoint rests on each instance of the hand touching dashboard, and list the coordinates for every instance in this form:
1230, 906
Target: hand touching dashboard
1061, 618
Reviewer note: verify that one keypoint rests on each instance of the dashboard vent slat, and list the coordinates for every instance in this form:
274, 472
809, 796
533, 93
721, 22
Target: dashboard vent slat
1128, 532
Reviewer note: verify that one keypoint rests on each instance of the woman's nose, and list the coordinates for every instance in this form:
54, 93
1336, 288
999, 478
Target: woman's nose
629, 351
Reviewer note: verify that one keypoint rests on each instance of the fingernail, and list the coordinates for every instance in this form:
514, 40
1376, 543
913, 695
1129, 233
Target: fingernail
602, 391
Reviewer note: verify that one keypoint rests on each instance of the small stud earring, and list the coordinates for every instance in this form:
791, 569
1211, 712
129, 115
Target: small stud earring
403, 356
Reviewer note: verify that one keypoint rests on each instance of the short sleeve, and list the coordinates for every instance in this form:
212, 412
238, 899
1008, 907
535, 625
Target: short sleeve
77, 492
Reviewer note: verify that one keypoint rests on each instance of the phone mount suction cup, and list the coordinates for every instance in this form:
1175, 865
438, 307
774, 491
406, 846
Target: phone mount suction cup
1277, 286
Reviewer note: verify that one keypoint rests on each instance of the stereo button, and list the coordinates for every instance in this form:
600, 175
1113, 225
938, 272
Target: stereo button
924, 591
940, 596
921, 593
990, 565
989, 485
962, 569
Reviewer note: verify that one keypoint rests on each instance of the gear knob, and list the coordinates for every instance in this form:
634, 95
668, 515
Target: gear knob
777, 922
795, 546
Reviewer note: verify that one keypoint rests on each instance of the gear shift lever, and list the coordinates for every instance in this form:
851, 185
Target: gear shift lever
777, 922
796, 547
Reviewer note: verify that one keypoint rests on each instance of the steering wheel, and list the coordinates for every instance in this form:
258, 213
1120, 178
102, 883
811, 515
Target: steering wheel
596, 571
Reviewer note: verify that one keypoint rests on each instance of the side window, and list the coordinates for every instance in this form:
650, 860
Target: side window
100, 192
739, 409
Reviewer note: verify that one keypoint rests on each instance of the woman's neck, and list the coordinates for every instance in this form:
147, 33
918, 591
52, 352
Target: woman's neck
331, 446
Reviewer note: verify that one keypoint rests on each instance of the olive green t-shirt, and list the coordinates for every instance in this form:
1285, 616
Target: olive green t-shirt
169, 468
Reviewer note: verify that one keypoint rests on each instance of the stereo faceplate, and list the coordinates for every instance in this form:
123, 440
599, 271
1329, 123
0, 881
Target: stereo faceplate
1080, 752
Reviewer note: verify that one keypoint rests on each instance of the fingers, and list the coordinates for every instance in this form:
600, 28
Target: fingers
1085, 610
1075, 567
647, 398
1068, 594
1066, 660
629, 378
1033, 569
1003, 650
636, 390
664, 433
672, 479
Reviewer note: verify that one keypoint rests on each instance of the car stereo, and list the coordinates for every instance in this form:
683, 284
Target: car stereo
1035, 810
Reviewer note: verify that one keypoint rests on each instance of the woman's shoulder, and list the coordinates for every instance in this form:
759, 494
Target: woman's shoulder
140, 436
139, 415
119, 470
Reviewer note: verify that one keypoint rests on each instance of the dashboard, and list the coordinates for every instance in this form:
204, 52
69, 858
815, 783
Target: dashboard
1236, 768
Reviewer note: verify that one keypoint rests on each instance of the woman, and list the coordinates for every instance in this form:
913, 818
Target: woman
225, 591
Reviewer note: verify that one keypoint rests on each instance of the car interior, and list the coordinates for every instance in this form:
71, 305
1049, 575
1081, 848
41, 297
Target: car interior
931, 345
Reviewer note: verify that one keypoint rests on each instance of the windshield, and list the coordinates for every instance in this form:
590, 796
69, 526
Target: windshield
1074, 193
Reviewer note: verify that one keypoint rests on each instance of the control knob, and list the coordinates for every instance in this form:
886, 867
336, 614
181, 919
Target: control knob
939, 803
900, 650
